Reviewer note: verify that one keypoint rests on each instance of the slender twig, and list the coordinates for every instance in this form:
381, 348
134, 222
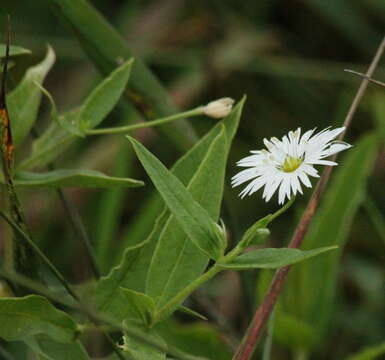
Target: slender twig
366, 77
80, 229
250, 340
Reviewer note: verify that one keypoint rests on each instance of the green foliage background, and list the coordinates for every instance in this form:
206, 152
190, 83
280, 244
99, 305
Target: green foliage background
288, 57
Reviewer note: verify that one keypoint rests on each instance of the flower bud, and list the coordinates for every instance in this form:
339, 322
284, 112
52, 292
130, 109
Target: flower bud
220, 108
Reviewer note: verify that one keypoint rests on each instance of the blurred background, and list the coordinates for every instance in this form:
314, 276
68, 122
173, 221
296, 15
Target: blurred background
289, 58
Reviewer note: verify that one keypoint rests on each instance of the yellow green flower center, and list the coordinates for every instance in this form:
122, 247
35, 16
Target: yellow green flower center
291, 164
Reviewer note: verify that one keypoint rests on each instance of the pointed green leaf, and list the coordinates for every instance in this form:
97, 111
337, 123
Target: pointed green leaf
61, 133
173, 275
73, 178
24, 101
32, 315
191, 216
273, 258
104, 98
13, 50
174, 261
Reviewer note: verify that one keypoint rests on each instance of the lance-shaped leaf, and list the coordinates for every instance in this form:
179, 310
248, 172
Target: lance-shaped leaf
95, 108
73, 178
192, 217
13, 50
21, 318
173, 260
104, 97
273, 258
24, 101
201, 171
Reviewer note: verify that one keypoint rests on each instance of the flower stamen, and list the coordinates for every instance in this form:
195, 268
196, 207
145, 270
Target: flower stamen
291, 164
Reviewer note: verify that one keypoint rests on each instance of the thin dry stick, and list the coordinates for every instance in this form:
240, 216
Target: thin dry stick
365, 77
249, 342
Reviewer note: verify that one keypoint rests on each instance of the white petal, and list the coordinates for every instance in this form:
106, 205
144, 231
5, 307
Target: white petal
253, 186
284, 190
296, 186
309, 169
335, 148
271, 189
304, 178
323, 162
243, 176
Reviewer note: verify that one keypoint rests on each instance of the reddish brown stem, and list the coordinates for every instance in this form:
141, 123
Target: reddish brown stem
250, 340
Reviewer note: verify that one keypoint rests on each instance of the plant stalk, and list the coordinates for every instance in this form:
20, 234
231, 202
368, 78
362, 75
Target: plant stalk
125, 129
261, 316
215, 269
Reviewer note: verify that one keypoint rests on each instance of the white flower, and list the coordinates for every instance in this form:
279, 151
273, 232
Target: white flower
219, 108
288, 162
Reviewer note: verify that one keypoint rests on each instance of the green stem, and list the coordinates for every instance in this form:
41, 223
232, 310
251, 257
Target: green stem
282, 209
42, 256
215, 269
176, 300
125, 129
